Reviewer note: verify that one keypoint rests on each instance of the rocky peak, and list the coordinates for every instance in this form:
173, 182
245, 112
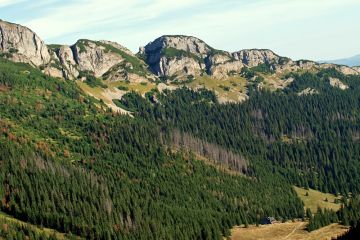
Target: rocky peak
176, 55
103, 59
181, 56
188, 44
20, 44
95, 57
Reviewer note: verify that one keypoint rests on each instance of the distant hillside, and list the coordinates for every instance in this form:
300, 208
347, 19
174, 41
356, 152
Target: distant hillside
351, 61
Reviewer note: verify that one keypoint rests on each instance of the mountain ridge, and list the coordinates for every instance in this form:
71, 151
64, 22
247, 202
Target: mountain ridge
171, 59
189, 44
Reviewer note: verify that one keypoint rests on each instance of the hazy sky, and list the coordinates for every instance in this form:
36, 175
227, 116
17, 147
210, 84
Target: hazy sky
307, 29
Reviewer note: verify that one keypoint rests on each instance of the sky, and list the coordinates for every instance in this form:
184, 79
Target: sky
299, 29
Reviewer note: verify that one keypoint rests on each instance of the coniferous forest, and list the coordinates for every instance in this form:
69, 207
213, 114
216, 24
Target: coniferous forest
70, 164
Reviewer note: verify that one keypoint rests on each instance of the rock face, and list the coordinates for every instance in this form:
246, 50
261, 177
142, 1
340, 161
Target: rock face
99, 58
181, 56
92, 57
176, 55
20, 44
102, 59
67, 61
185, 43
255, 57
337, 83
184, 56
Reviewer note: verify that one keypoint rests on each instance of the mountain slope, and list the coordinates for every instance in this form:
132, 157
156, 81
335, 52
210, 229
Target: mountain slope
70, 165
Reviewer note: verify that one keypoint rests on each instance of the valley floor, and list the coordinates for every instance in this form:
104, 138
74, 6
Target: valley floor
287, 231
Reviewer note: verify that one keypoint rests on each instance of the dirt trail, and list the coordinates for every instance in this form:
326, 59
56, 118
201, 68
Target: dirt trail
294, 230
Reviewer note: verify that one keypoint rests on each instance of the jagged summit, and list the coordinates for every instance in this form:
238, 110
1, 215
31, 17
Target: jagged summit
176, 55
170, 56
183, 56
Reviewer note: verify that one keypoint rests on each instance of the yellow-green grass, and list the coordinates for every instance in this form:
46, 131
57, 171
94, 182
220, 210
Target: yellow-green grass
288, 231
140, 88
317, 199
235, 93
100, 93
92, 91
272, 82
236, 85
105, 94
40, 230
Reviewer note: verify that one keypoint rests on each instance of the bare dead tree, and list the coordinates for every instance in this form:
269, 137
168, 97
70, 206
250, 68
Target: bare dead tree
213, 152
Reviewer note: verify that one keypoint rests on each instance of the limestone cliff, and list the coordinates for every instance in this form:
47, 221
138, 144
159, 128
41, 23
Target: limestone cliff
180, 56
20, 44
103, 59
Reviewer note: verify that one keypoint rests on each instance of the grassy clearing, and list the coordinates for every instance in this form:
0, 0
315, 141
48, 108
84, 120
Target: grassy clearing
232, 88
93, 91
273, 82
40, 230
288, 231
316, 198
140, 88
105, 94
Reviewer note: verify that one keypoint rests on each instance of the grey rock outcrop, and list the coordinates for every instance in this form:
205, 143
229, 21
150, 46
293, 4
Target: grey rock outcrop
335, 82
20, 44
181, 56
222, 65
255, 57
93, 57
176, 55
180, 66
67, 60
103, 59
189, 44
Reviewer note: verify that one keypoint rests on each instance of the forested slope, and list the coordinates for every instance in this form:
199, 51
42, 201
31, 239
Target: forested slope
70, 164
311, 140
